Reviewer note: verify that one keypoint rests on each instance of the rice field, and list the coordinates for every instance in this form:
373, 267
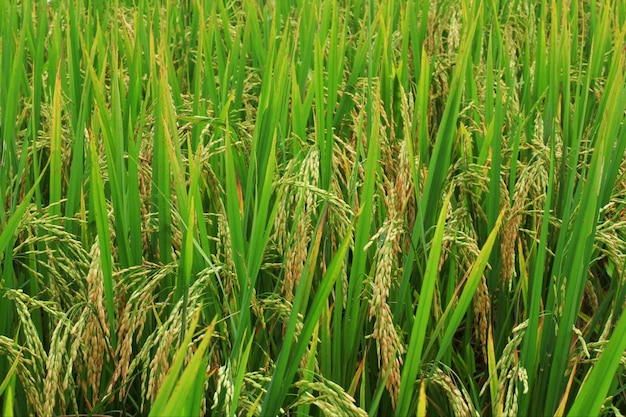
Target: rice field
313, 208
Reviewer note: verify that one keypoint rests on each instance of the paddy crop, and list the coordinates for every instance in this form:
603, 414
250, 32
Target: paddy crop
382, 208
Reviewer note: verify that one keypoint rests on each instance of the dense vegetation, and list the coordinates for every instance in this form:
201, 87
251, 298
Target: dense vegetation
313, 207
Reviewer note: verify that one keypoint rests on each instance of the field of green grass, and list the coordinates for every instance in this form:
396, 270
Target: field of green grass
313, 208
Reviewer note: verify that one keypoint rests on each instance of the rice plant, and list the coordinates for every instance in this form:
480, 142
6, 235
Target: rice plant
359, 208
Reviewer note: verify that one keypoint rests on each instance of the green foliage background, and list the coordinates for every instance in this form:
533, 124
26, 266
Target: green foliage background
342, 208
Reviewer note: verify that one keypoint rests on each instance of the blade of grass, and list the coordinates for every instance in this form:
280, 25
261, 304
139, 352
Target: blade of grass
160, 169
457, 310
55, 149
8, 403
179, 390
111, 134
8, 378
101, 213
351, 320
591, 396
576, 258
422, 400
422, 316
241, 364
289, 356
496, 403
530, 353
